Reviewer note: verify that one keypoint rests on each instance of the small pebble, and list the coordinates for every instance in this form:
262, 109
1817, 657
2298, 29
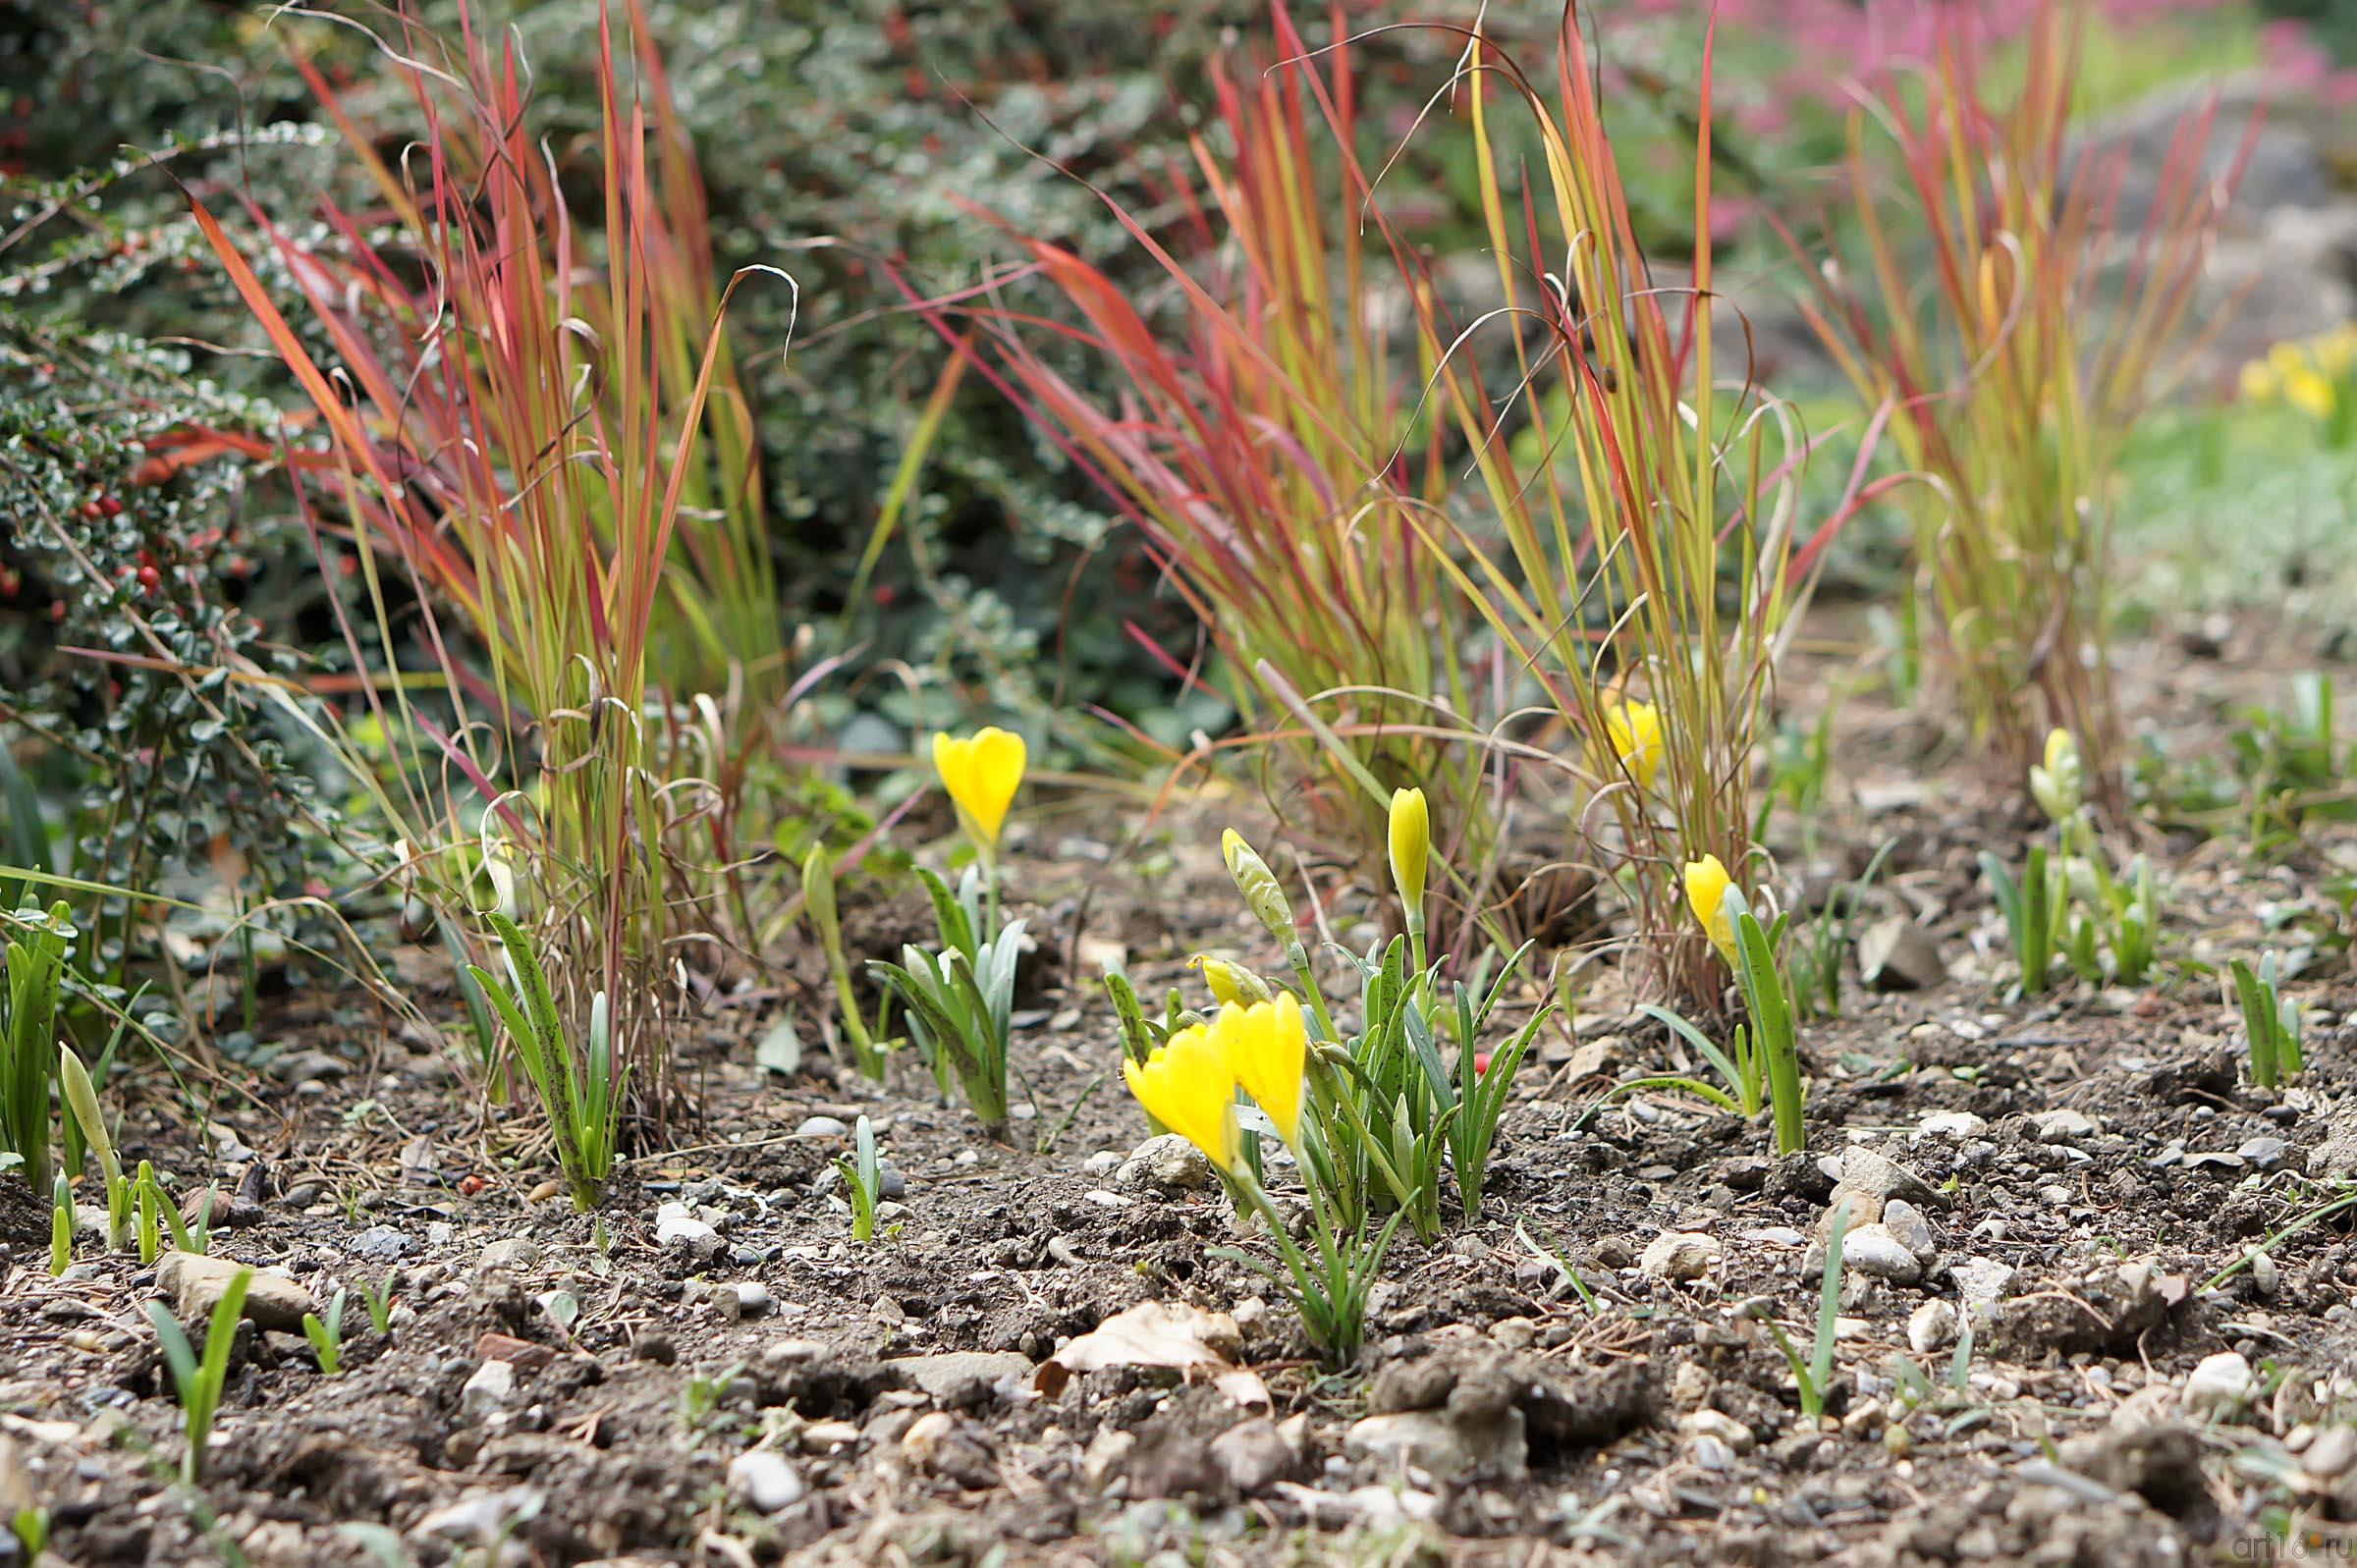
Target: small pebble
766, 1479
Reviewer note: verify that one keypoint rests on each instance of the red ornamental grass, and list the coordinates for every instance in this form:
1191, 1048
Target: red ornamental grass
2002, 298
1269, 440
1645, 539
517, 420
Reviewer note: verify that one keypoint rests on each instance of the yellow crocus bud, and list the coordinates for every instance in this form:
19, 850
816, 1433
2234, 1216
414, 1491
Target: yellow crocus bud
1635, 732
1258, 884
818, 896
1411, 848
2056, 784
81, 1096
1231, 983
1707, 884
1188, 1085
1267, 1047
2258, 382
981, 774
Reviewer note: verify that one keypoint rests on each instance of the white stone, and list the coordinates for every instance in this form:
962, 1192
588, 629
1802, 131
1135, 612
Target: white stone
1167, 1162
1983, 1280
2218, 1385
488, 1389
1951, 1124
1253, 1455
1878, 1175
197, 1281
1718, 1426
1913, 1230
1679, 1254
2331, 1453
1931, 1326
676, 1225
1873, 1251
765, 1478
1430, 1441
2060, 1126
1709, 1453
481, 1519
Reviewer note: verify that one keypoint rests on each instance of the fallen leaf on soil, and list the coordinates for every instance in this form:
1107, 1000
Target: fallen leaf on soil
1159, 1333
517, 1352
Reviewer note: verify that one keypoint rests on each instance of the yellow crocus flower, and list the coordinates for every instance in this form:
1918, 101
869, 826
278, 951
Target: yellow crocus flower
1411, 848
1707, 883
1188, 1085
2259, 383
2310, 393
1267, 1047
981, 774
1635, 730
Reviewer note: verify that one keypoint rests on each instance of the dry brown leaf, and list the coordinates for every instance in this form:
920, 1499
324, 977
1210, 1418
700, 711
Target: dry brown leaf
1185, 1339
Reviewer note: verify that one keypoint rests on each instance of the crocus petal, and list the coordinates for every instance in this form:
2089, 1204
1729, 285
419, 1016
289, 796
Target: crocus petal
1189, 1086
1267, 1045
1707, 883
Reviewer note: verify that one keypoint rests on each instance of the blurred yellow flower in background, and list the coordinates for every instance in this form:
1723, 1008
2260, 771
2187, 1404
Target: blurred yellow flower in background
1635, 730
2314, 376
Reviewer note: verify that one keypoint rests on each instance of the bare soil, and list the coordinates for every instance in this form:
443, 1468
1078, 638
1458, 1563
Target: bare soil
2084, 1162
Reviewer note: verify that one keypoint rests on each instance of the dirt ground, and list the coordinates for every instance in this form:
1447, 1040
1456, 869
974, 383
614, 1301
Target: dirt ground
2064, 1174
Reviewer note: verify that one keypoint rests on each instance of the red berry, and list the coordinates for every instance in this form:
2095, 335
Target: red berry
150, 580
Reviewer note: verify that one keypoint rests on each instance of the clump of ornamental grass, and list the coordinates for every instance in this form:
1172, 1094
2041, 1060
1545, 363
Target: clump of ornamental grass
1270, 446
521, 423
1634, 547
1645, 549
1983, 287
958, 1000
